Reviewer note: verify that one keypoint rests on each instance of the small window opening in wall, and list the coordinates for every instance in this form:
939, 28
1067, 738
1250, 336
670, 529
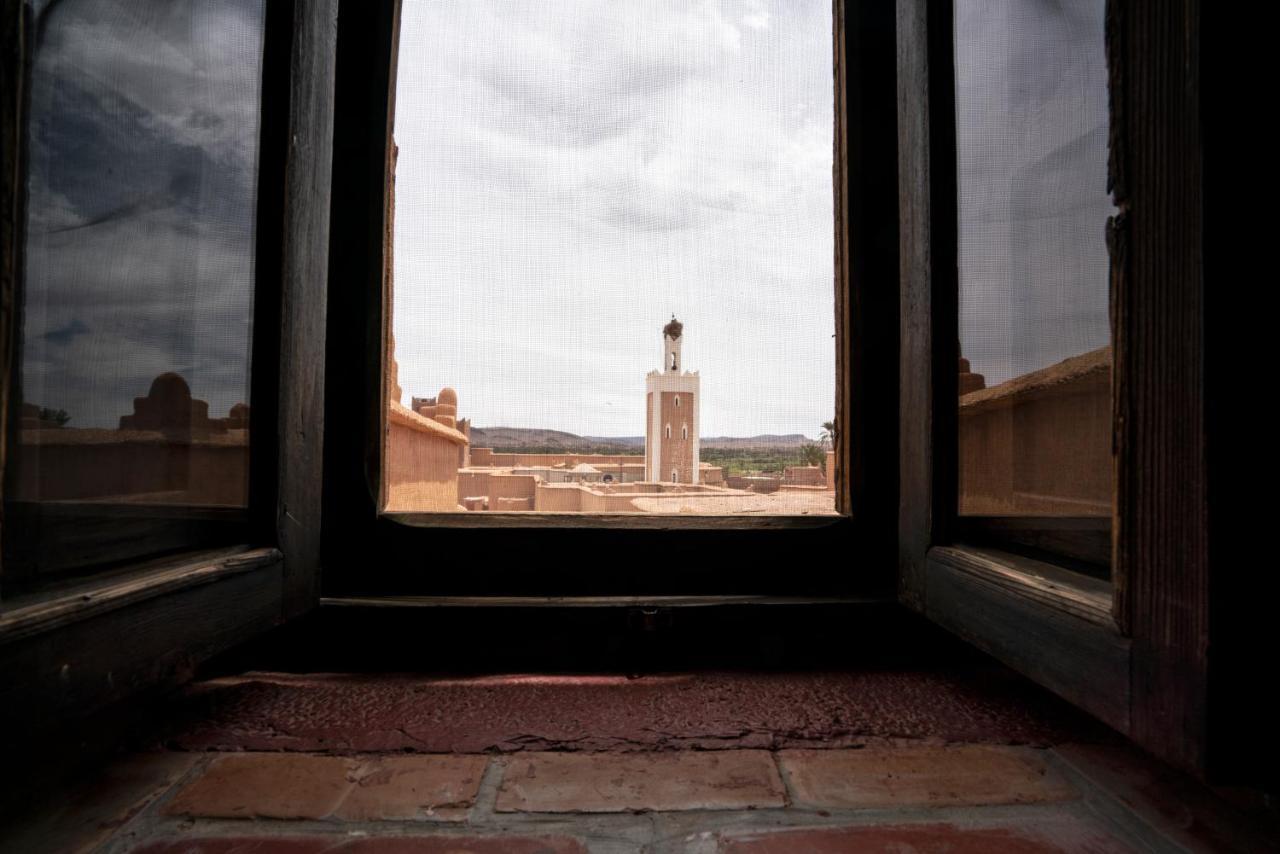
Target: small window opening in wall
566, 177
675, 476
684, 432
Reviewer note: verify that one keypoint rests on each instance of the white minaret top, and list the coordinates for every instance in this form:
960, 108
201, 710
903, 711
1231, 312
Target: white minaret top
672, 337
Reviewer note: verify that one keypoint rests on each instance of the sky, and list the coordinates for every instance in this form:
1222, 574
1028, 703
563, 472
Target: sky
572, 174
141, 196
1031, 105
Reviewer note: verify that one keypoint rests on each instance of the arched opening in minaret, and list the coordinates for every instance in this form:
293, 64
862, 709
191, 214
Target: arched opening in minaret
673, 360
668, 434
684, 432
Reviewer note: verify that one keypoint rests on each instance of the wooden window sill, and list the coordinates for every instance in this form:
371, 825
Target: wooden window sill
1053, 625
32, 614
592, 601
1039, 582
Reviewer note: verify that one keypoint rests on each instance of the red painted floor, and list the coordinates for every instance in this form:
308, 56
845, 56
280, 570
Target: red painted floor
353, 713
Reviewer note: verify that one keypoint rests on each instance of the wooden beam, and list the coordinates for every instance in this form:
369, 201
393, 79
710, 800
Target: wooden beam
14, 68
1156, 238
308, 176
928, 288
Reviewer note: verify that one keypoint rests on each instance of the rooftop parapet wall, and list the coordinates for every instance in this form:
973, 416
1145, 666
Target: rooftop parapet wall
98, 464
803, 476
421, 462
494, 485
1040, 444
397, 414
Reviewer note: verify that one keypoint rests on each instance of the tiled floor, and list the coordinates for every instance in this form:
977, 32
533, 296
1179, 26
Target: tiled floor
888, 793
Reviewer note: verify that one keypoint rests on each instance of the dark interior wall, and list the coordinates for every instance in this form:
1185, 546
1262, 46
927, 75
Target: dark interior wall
1237, 244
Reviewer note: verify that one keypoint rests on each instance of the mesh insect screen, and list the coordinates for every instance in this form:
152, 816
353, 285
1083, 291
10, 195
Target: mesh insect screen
1031, 122
613, 257
137, 297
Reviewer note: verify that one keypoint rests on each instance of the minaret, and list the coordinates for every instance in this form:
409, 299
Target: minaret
671, 447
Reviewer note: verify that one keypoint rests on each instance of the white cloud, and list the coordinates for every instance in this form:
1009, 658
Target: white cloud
757, 15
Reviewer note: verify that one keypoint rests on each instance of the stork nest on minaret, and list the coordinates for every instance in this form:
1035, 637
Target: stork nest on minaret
673, 329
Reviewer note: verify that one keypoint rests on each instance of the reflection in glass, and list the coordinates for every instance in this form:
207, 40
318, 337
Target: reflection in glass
1035, 372
137, 313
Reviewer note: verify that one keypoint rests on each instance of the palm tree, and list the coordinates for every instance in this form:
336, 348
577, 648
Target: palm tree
828, 435
812, 455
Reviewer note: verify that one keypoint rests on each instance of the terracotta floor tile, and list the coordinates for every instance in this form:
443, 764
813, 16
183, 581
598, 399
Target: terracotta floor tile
300, 786
1056, 837
367, 845
615, 782
412, 787
881, 777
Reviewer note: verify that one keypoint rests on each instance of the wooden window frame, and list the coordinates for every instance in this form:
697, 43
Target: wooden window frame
166, 615
511, 554
63, 541
1134, 651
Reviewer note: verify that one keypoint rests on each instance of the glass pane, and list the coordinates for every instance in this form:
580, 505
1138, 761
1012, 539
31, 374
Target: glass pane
137, 300
1035, 372
613, 258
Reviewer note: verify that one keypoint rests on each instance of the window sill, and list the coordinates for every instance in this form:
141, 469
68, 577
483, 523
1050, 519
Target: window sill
1050, 624
725, 601
33, 614
1036, 581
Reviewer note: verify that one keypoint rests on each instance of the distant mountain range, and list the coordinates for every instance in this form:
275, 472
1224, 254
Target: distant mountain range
523, 437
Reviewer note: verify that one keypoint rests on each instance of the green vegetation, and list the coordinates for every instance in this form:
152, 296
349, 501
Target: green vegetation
827, 438
54, 416
737, 461
813, 455
634, 450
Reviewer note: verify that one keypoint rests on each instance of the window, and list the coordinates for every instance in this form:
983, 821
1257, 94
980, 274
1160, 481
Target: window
554, 201
1140, 665
365, 284
1005, 114
132, 383
1035, 341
